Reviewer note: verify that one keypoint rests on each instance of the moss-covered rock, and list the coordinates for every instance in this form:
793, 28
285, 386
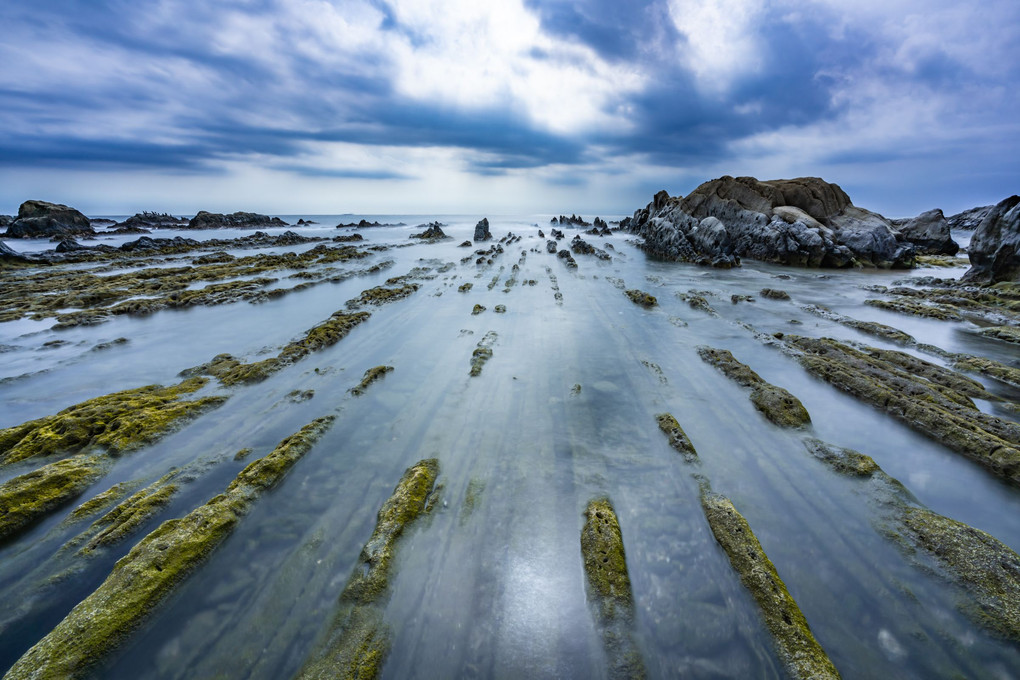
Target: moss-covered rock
844, 461
371, 375
774, 294
609, 590
477, 309
100, 502
30, 497
127, 516
465, 287
152, 569
933, 409
117, 423
358, 641
1004, 333
381, 294
678, 439
989, 367
775, 403
795, 644
639, 297
915, 308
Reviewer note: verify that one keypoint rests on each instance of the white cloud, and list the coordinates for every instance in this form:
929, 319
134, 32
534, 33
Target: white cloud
722, 43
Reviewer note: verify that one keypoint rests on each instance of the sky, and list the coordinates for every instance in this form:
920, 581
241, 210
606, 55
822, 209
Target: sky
502, 106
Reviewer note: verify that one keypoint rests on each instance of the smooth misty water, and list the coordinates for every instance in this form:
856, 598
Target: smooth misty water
499, 591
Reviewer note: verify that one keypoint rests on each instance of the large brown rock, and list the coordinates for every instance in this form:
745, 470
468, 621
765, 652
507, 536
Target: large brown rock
995, 247
39, 219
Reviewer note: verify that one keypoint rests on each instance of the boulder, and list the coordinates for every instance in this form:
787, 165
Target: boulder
433, 232
242, 220
929, 232
995, 247
482, 232
5, 220
804, 222
39, 219
969, 220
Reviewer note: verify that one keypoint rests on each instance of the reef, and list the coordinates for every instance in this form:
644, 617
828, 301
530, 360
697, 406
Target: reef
358, 641
609, 590
371, 375
984, 567
116, 423
639, 297
777, 404
29, 497
678, 439
130, 514
796, 646
924, 397
482, 353
152, 569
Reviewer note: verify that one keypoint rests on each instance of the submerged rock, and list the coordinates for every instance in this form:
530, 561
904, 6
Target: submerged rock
804, 221
154, 568
30, 497
39, 219
240, 220
371, 375
678, 439
777, 404
994, 249
609, 590
800, 653
639, 297
358, 640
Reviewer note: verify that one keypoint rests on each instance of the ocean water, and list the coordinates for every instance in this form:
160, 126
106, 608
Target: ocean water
496, 590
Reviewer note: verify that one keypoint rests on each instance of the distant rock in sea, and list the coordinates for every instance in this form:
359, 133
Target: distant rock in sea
433, 232
365, 223
805, 221
482, 232
995, 247
151, 220
969, 220
39, 219
242, 220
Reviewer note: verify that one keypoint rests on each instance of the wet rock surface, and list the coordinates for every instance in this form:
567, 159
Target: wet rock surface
482, 232
242, 220
994, 249
929, 232
804, 222
40, 219
775, 403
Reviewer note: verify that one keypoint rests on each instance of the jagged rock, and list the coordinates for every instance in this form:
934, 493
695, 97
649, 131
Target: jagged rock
482, 232
995, 247
366, 223
929, 232
804, 222
69, 245
5, 220
147, 243
39, 219
243, 220
152, 220
969, 220
433, 232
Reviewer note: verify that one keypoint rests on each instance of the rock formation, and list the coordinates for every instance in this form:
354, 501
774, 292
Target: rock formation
152, 220
969, 220
804, 221
995, 247
929, 232
482, 232
39, 219
243, 220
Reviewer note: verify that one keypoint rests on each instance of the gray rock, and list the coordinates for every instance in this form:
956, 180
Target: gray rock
152, 220
243, 220
929, 232
5, 220
804, 222
482, 232
969, 220
995, 247
39, 219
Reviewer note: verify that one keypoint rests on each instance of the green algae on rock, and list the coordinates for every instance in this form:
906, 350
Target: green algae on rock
1004, 333
358, 641
371, 375
796, 646
914, 308
989, 367
152, 569
465, 287
940, 412
678, 439
100, 502
987, 569
29, 497
477, 309
127, 516
775, 403
774, 294
880, 330
381, 294
117, 423
639, 297
482, 353
609, 589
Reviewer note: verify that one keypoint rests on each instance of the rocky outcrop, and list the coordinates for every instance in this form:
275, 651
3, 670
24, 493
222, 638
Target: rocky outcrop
433, 232
969, 220
929, 232
5, 220
242, 220
995, 247
152, 220
482, 232
804, 222
39, 219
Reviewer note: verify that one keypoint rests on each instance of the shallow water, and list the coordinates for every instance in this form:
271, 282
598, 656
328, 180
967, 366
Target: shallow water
495, 589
